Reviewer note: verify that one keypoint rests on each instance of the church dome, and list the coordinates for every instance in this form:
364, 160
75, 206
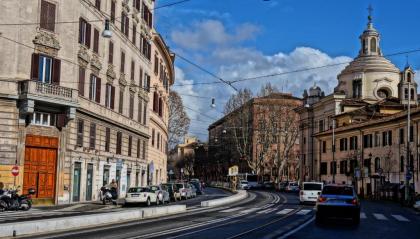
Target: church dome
373, 63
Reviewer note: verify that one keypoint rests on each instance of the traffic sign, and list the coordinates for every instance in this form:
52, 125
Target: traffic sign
15, 170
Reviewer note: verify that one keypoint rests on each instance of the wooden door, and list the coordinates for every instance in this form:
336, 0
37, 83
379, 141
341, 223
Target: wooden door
40, 166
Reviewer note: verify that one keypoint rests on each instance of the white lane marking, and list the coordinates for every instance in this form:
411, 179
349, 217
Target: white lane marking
380, 216
284, 211
303, 212
249, 210
400, 218
363, 215
297, 229
267, 206
232, 209
267, 211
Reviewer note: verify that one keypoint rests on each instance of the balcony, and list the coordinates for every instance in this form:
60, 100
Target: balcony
48, 93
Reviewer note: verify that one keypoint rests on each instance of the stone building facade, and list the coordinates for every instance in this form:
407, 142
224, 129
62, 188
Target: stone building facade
370, 89
74, 104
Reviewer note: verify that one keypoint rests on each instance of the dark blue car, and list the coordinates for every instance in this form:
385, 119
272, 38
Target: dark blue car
338, 201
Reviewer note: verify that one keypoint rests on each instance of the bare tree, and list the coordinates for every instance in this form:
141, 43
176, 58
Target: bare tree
179, 121
239, 108
187, 163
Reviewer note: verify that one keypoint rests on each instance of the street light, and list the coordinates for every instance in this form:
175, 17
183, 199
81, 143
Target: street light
107, 32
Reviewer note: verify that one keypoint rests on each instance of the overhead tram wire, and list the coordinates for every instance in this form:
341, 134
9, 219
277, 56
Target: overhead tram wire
98, 20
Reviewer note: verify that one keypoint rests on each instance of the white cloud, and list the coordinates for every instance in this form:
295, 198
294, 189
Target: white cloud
209, 33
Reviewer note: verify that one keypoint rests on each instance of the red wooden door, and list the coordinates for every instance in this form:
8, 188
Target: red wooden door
40, 166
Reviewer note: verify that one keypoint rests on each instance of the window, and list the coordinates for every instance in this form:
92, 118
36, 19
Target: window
119, 143
109, 96
82, 74
147, 16
47, 20
80, 129
95, 88
377, 164
107, 139
367, 141
43, 119
92, 136
353, 143
408, 77
353, 164
158, 140
146, 48
130, 144
156, 64
136, 4
324, 146
343, 167
155, 102
153, 137
45, 69
144, 113
357, 89
133, 67
96, 41
321, 125
387, 138
113, 11
160, 107
373, 45
412, 94
140, 110
134, 36
122, 66
98, 4
377, 139
402, 164
131, 111
147, 82
141, 78
411, 134
111, 53
406, 93
138, 148
121, 101
401, 136
343, 144
125, 23
333, 167
367, 164
323, 170
144, 150
84, 32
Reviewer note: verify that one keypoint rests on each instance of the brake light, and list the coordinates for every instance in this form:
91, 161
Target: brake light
322, 199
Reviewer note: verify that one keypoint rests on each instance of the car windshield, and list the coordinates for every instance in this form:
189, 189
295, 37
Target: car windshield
334, 190
179, 185
137, 190
244, 182
312, 186
154, 188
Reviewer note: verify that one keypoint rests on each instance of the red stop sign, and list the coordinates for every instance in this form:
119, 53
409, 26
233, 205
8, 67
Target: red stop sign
15, 170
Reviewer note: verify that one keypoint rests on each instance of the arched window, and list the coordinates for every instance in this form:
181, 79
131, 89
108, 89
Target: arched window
406, 93
384, 93
373, 45
412, 94
408, 77
377, 164
364, 46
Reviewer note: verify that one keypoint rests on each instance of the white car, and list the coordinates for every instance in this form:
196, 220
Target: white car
310, 192
243, 184
141, 195
162, 195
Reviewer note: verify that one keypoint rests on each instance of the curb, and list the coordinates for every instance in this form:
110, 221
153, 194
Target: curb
84, 221
241, 194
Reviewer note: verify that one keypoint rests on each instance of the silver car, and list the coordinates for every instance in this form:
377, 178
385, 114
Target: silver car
184, 190
161, 194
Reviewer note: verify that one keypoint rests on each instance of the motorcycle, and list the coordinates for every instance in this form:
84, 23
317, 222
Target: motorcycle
108, 195
11, 200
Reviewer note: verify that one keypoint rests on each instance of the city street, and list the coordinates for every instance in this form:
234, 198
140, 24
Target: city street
264, 214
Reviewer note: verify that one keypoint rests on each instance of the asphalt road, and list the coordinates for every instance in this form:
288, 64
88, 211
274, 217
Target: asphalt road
264, 214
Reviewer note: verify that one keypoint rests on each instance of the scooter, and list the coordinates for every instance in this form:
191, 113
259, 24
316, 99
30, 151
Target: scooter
108, 195
11, 200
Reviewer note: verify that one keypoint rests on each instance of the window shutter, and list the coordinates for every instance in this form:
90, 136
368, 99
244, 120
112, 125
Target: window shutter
90, 86
51, 17
56, 71
96, 40
80, 30
141, 78
139, 110
98, 90
127, 25
122, 62
113, 11
88, 35
44, 15
82, 74
61, 121
111, 53
35, 66
80, 125
112, 96
132, 70
122, 21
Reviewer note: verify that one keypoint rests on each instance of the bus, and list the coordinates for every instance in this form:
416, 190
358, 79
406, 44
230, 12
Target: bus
252, 179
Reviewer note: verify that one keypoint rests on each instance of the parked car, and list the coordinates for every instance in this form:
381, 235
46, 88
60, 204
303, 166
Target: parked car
310, 192
292, 187
162, 194
141, 195
282, 186
193, 190
243, 184
174, 194
184, 190
268, 185
338, 201
198, 187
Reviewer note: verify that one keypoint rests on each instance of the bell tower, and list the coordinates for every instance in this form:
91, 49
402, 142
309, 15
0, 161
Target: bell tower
407, 86
370, 39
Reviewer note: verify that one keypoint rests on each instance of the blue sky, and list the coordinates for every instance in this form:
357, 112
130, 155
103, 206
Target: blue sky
242, 38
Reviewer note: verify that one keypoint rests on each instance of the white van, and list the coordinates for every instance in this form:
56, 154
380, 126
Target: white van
310, 192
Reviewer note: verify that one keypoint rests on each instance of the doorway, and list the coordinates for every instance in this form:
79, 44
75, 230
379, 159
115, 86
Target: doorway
89, 182
76, 181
